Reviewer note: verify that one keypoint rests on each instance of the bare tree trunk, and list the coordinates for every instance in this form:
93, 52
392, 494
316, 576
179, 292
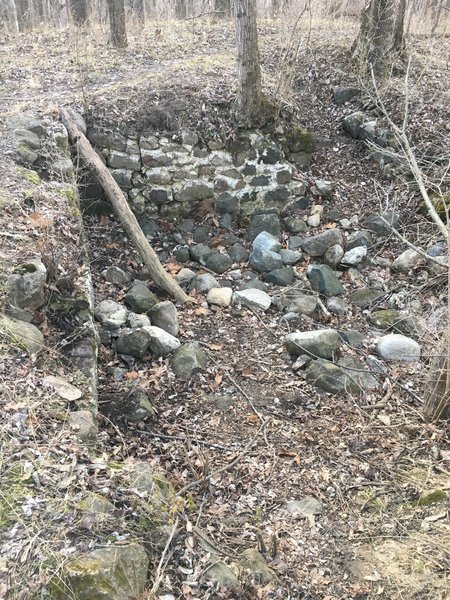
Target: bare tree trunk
222, 8
380, 23
249, 97
275, 8
399, 27
23, 14
115, 195
139, 11
117, 23
437, 10
9, 16
180, 9
79, 11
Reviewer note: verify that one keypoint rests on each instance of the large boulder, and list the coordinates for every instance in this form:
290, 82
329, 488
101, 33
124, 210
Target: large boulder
26, 285
139, 298
110, 573
25, 335
319, 343
397, 347
133, 342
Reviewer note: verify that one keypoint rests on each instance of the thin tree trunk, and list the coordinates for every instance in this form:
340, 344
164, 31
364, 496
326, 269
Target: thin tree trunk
249, 97
399, 27
222, 8
117, 23
139, 11
23, 14
115, 195
10, 14
79, 11
180, 9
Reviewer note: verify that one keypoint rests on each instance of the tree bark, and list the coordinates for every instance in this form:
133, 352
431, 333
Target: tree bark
115, 195
180, 9
249, 97
9, 14
117, 24
79, 11
380, 35
222, 8
139, 11
23, 14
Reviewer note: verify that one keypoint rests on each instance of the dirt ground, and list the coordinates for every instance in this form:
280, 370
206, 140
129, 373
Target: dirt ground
369, 460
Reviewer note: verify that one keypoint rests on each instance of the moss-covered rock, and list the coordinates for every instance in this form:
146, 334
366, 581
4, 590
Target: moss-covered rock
299, 139
31, 176
435, 497
114, 573
25, 335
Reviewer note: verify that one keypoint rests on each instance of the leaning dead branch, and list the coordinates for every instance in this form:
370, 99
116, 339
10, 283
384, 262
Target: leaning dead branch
115, 195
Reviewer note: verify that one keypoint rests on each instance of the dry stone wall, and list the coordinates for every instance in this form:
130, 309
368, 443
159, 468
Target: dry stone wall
180, 177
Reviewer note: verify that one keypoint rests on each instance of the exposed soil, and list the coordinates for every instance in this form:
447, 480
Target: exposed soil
368, 459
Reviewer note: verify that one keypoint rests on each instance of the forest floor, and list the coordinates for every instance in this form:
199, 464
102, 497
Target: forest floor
368, 460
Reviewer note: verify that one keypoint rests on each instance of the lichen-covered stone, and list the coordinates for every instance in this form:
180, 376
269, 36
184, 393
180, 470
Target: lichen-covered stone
320, 343
111, 573
188, 359
26, 285
25, 335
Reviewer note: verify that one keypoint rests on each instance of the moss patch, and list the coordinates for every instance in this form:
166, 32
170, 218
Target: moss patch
30, 175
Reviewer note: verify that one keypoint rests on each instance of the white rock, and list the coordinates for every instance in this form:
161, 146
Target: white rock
161, 342
220, 296
111, 314
315, 215
409, 259
354, 256
398, 347
253, 298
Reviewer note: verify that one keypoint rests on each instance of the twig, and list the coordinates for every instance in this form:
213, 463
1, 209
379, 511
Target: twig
244, 393
266, 327
230, 465
158, 575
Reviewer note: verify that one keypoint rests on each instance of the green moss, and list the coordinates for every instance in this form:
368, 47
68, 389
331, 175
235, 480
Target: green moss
30, 175
13, 492
299, 139
435, 497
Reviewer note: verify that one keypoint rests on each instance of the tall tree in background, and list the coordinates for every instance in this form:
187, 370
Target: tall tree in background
79, 11
181, 9
222, 8
117, 23
381, 36
249, 97
8, 15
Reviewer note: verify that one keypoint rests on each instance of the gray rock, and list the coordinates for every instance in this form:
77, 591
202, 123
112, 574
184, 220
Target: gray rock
188, 359
365, 297
333, 256
195, 191
342, 94
137, 406
85, 426
269, 223
282, 277
397, 347
123, 178
136, 321
203, 283
110, 573
358, 372
355, 256
324, 188
25, 335
324, 281
116, 276
284, 176
133, 342
220, 296
199, 253
331, 378
295, 225
182, 254
121, 160
355, 339
27, 121
375, 224
253, 284
139, 298
265, 241
164, 315
226, 203
280, 195
253, 298
159, 176
359, 238
295, 242
290, 257
161, 343
189, 138
238, 253
271, 156
319, 343
255, 566
260, 181
439, 249
409, 259
219, 262
305, 305
201, 233
265, 261
352, 123
185, 276
27, 138
111, 315
62, 166
26, 285
317, 245
222, 575
400, 323
304, 508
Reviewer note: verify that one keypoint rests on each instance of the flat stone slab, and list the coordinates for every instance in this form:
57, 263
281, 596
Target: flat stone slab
253, 298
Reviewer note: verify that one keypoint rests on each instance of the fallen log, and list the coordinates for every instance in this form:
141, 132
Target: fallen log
161, 278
